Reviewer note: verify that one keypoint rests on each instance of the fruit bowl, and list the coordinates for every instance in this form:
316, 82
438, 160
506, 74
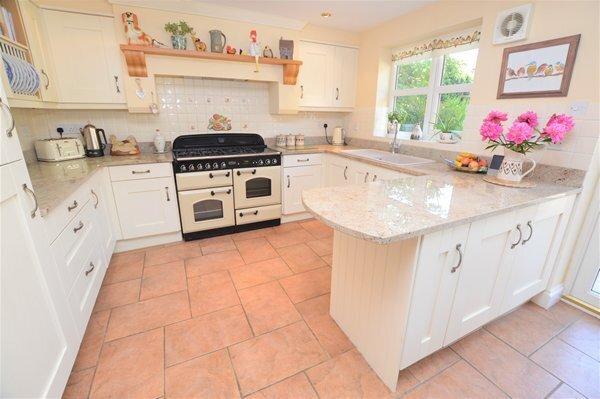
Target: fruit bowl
467, 162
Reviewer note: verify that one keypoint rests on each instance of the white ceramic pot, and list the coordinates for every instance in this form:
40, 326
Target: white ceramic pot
445, 136
290, 141
511, 168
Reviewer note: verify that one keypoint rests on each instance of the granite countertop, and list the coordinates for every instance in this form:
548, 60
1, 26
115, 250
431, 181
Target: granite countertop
53, 182
388, 211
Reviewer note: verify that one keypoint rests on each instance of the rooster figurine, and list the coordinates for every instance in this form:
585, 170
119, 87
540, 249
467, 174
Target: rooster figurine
254, 49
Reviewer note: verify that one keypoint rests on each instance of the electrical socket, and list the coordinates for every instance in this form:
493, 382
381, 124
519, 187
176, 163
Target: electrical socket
69, 129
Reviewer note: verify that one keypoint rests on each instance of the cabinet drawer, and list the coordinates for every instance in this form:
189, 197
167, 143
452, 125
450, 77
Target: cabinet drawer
252, 215
58, 218
195, 180
302, 160
142, 171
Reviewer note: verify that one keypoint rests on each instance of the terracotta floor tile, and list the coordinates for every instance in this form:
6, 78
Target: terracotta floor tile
118, 294
247, 235
458, 381
93, 338
78, 385
274, 356
163, 279
216, 244
268, 307
347, 376
259, 273
148, 314
126, 266
316, 314
256, 249
303, 286
213, 263
584, 335
565, 392
131, 367
296, 387
317, 228
209, 376
211, 292
287, 238
328, 259
504, 366
207, 333
285, 227
525, 329
406, 381
570, 365
172, 253
322, 246
300, 258
426, 368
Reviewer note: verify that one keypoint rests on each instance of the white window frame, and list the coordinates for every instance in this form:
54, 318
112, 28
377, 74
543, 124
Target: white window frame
433, 90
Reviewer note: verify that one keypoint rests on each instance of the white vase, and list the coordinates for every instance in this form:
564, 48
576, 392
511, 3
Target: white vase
511, 168
159, 142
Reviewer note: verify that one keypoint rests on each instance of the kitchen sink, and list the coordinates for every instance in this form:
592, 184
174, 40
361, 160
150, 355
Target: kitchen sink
388, 157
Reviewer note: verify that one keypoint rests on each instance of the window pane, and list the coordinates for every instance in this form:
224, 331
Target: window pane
414, 74
414, 106
452, 111
459, 68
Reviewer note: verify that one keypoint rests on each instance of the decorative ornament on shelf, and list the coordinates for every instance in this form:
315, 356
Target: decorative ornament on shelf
179, 31
218, 40
254, 49
267, 52
135, 34
230, 50
199, 44
219, 123
522, 137
286, 49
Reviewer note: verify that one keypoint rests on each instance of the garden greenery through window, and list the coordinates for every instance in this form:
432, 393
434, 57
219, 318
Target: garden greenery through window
431, 87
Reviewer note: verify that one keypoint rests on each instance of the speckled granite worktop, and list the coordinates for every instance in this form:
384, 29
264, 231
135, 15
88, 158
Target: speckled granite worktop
53, 182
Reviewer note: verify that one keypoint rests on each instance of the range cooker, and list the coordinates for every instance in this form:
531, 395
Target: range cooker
226, 183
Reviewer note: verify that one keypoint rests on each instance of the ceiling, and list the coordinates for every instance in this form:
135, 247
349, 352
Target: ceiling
350, 15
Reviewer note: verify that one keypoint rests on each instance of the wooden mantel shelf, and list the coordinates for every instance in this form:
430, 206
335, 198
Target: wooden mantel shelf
135, 57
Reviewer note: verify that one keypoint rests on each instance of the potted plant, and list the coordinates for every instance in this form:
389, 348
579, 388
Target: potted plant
395, 119
444, 127
179, 31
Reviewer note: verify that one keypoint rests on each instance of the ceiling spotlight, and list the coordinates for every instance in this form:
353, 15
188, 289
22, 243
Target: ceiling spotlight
326, 14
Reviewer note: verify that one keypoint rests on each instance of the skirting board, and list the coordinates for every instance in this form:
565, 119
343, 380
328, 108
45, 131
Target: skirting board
143, 242
295, 217
549, 297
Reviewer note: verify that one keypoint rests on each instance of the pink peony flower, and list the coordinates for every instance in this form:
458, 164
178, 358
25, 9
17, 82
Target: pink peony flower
563, 120
496, 117
519, 132
490, 130
556, 131
529, 117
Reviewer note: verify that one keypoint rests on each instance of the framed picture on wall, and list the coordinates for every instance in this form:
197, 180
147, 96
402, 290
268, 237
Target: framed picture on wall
540, 69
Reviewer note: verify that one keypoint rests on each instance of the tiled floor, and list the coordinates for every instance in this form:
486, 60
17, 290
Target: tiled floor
247, 315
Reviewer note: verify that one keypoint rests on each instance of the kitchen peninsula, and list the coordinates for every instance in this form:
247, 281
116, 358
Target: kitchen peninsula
422, 261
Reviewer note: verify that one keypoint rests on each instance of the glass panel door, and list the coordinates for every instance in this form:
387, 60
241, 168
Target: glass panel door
207, 210
258, 187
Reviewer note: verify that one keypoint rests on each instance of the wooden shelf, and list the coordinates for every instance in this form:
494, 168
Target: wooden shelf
135, 57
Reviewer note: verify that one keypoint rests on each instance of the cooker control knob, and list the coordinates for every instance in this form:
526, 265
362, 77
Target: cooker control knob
274, 161
182, 168
260, 162
191, 167
223, 165
207, 165
267, 162
199, 166
215, 165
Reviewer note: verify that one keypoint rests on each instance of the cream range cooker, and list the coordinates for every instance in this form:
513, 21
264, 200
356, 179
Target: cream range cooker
226, 183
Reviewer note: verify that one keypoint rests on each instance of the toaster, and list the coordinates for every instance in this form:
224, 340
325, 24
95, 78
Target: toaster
51, 150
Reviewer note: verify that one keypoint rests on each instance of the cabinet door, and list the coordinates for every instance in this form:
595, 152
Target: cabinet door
295, 180
435, 282
316, 74
146, 207
543, 228
360, 173
345, 67
485, 269
337, 171
38, 336
10, 148
106, 232
86, 58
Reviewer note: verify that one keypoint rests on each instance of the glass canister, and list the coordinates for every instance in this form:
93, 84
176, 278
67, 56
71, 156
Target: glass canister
281, 141
290, 141
299, 140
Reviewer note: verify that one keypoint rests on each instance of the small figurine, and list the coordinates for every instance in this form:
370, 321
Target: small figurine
230, 50
134, 33
286, 49
241, 51
267, 52
199, 44
254, 49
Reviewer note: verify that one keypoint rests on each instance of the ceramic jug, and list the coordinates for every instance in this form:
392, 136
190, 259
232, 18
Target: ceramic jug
217, 41
511, 168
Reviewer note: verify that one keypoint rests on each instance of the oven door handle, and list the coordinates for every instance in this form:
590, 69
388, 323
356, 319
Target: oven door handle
224, 191
215, 174
239, 172
249, 213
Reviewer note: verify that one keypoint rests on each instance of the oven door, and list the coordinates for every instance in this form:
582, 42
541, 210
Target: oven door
206, 209
257, 186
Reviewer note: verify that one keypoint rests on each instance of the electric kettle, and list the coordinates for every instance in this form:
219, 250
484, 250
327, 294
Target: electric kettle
94, 147
338, 136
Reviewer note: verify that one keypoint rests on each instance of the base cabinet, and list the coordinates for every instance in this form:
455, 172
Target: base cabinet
295, 180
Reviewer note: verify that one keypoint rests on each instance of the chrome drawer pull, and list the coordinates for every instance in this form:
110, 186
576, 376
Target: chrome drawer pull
239, 172
71, 207
530, 233
213, 193
79, 227
97, 199
512, 246
303, 160
32, 194
366, 176
91, 269
337, 93
289, 183
140, 172
345, 175
47, 79
117, 84
167, 192
374, 177
213, 175
301, 91
460, 256
249, 212
9, 131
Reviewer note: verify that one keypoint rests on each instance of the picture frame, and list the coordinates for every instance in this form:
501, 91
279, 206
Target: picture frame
541, 69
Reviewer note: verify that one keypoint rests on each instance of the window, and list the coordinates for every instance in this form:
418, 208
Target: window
434, 86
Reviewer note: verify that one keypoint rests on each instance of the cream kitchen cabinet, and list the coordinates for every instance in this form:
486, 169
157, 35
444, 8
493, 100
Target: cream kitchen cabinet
302, 172
340, 171
85, 58
337, 171
328, 76
10, 147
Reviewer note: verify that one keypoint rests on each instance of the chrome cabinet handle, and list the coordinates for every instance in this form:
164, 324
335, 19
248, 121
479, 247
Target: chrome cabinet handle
530, 233
79, 227
460, 257
91, 269
71, 207
512, 246
32, 194
303, 160
167, 192
301, 91
366, 177
9, 131
337, 93
117, 84
374, 177
47, 79
248, 212
289, 183
213, 192
213, 175
97, 199
345, 175
140, 172
239, 172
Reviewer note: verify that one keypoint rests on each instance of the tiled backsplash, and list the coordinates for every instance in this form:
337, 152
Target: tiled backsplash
186, 104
